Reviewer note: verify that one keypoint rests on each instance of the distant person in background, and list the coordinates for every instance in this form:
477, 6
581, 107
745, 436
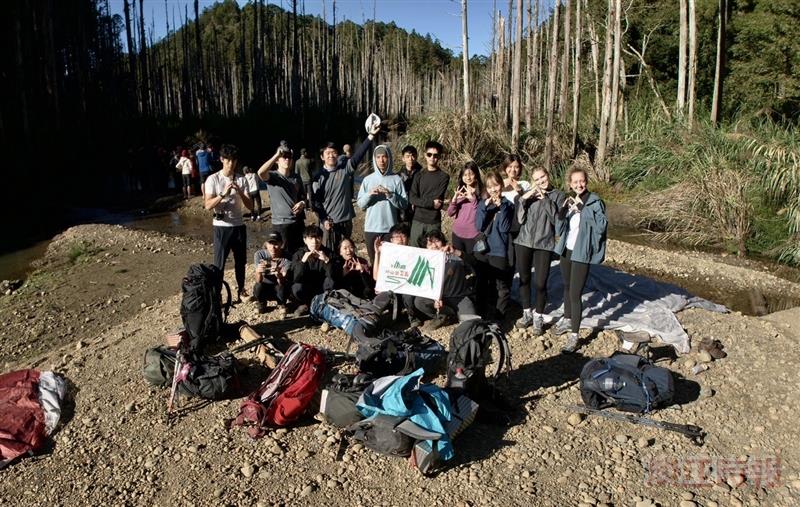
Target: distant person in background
255, 194
411, 169
227, 192
174, 170
332, 196
382, 195
272, 273
351, 272
184, 166
203, 164
286, 197
427, 196
463, 208
581, 227
303, 167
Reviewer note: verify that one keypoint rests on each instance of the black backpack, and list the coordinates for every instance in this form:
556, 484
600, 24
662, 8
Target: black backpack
202, 310
397, 353
471, 352
210, 378
350, 313
626, 382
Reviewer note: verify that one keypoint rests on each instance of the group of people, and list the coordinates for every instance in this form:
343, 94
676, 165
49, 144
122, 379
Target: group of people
502, 224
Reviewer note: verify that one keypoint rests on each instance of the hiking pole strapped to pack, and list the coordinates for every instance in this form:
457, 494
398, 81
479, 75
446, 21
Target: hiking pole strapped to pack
695, 433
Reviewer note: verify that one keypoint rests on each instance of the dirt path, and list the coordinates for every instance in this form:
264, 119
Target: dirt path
104, 294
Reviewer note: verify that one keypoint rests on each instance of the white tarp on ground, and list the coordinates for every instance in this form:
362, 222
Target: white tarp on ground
614, 299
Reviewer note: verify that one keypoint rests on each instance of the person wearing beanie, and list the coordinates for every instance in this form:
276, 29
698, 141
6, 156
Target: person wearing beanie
382, 196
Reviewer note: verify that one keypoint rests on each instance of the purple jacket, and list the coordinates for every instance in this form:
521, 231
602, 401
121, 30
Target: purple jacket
464, 212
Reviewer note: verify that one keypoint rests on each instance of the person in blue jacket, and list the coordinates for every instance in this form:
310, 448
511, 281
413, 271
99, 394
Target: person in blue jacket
382, 196
493, 219
582, 227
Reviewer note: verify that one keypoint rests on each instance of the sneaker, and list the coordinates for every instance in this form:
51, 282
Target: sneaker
300, 311
562, 326
262, 307
244, 296
538, 324
437, 322
526, 320
572, 343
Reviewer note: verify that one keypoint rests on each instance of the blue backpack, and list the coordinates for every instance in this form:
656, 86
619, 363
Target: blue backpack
626, 382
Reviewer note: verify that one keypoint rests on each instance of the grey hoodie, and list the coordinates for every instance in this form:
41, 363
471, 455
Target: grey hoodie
537, 220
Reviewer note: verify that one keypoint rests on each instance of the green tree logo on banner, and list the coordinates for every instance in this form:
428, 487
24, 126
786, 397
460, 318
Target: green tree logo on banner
422, 270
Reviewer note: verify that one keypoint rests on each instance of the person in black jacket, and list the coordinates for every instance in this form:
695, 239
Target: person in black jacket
427, 195
408, 173
311, 270
351, 272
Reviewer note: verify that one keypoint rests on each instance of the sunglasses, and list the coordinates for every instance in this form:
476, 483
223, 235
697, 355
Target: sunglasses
432, 155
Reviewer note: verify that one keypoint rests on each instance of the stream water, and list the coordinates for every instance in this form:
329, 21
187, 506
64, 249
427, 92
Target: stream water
17, 264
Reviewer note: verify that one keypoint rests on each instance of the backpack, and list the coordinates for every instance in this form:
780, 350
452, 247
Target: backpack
626, 382
397, 353
337, 404
202, 310
210, 378
343, 310
286, 394
470, 354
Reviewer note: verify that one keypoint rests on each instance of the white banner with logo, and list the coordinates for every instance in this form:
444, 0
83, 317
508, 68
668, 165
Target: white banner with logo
410, 270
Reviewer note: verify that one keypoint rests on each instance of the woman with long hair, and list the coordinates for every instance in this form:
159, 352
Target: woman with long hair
463, 208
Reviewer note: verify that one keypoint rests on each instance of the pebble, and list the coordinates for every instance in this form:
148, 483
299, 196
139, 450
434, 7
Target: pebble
325, 327
575, 419
332, 484
307, 490
247, 470
704, 357
642, 442
687, 495
130, 406
621, 439
735, 481
687, 503
549, 429
158, 450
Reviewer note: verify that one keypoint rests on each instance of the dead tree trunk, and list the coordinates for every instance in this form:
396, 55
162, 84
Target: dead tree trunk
692, 85
615, 84
565, 57
551, 87
465, 57
605, 111
576, 85
516, 81
716, 101
682, 50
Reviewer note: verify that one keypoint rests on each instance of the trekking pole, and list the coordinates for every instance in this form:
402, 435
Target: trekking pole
694, 433
175, 374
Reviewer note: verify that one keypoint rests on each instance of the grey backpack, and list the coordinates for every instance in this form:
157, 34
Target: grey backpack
626, 382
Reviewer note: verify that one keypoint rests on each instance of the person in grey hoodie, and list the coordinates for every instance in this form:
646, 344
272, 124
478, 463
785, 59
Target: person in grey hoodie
332, 191
383, 196
582, 226
536, 212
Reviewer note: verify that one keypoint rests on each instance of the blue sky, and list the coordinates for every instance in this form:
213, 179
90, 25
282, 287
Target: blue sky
440, 18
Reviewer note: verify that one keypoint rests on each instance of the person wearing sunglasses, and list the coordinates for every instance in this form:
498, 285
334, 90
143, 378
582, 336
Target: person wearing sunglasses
286, 197
427, 196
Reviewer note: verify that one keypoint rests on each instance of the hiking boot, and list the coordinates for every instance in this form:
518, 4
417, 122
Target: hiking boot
572, 343
262, 307
300, 311
437, 322
538, 324
562, 326
244, 296
526, 320
413, 323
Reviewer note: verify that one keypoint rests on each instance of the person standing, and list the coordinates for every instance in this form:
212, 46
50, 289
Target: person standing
286, 200
582, 228
184, 165
493, 218
411, 169
536, 213
203, 164
427, 196
227, 192
255, 192
463, 208
303, 167
382, 195
332, 191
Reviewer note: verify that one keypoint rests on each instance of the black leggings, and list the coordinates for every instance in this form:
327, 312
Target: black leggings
494, 282
466, 246
574, 275
540, 261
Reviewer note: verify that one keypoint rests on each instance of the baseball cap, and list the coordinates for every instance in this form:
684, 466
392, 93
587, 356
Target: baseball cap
275, 237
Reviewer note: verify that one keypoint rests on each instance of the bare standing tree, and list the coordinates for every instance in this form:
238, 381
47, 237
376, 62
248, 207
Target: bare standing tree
615, 83
692, 85
565, 57
682, 50
516, 81
551, 86
576, 86
605, 111
465, 56
716, 101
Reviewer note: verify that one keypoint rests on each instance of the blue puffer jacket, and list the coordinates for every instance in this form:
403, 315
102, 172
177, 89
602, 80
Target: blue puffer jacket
590, 246
497, 232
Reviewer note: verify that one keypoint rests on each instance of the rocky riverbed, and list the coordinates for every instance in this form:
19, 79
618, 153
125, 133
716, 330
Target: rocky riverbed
103, 294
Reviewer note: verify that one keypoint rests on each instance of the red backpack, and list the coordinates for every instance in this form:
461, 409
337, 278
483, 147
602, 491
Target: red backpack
286, 394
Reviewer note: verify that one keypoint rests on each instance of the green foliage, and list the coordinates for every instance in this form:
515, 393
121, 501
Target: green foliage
81, 250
